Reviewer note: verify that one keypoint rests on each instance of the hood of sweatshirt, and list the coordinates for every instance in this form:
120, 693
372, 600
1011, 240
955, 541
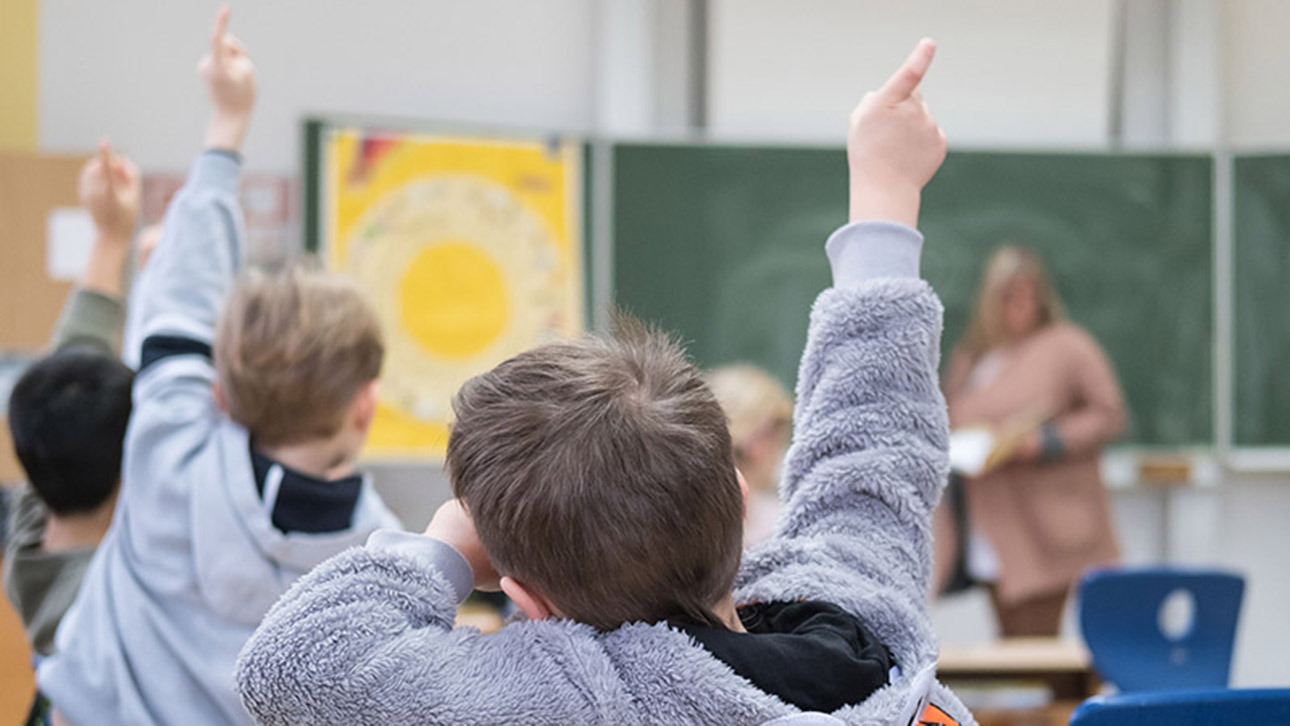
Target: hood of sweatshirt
813, 655
237, 548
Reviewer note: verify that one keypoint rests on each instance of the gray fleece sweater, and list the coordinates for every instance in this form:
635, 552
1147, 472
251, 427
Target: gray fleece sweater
368, 638
192, 561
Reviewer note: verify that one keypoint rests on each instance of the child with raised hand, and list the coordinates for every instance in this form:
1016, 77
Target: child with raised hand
239, 458
68, 413
596, 486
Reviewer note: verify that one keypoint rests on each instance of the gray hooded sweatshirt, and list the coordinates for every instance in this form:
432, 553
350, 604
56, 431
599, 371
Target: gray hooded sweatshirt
192, 561
368, 637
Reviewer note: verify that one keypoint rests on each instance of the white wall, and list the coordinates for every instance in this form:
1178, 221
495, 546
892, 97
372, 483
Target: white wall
1253, 539
1256, 55
125, 68
1008, 72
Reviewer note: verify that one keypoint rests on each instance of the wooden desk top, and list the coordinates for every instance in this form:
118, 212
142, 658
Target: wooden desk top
1016, 655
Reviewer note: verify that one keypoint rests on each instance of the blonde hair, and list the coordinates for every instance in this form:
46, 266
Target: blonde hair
753, 401
1008, 263
292, 351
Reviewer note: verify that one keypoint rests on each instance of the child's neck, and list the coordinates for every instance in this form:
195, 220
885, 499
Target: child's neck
325, 460
68, 532
728, 614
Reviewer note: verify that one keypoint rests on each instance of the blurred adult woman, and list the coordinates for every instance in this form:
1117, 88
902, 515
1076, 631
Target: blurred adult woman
1042, 516
760, 412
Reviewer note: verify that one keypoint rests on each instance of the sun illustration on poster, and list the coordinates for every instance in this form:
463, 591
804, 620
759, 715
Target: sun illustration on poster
461, 276
469, 253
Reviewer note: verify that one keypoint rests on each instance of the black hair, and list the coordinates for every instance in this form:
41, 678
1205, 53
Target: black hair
68, 414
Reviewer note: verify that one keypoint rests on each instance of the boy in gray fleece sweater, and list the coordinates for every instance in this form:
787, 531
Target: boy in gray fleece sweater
238, 466
596, 486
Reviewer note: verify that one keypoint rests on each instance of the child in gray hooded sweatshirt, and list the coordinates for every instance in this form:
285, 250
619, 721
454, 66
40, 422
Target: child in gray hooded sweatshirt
596, 487
231, 491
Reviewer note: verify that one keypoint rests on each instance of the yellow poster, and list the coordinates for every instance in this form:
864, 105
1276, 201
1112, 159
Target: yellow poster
469, 249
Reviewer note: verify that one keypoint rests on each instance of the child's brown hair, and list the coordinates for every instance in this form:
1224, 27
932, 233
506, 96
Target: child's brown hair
292, 350
600, 473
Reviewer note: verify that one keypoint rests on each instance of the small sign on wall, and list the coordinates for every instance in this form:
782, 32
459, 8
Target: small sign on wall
69, 236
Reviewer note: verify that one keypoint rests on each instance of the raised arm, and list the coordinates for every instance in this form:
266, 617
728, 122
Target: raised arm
200, 250
868, 459
183, 287
309, 663
95, 312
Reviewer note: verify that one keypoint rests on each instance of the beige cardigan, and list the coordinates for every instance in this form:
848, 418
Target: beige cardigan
1047, 521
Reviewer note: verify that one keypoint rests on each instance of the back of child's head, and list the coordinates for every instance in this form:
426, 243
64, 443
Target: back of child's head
599, 472
68, 415
292, 350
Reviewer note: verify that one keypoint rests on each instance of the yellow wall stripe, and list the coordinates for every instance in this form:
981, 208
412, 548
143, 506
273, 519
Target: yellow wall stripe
18, 74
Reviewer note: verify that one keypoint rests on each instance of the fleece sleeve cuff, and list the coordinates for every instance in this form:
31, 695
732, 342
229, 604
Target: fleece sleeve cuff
434, 554
865, 251
217, 169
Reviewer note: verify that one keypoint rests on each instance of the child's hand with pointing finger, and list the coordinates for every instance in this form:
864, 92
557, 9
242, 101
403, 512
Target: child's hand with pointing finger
894, 145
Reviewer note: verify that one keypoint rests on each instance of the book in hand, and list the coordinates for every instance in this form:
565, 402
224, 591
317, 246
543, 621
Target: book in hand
975, 450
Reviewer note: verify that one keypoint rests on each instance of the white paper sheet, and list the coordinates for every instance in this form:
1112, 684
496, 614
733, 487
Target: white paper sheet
69, 237
969, 450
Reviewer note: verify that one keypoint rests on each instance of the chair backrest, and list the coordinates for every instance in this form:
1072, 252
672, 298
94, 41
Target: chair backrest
1210, 707
1125, 615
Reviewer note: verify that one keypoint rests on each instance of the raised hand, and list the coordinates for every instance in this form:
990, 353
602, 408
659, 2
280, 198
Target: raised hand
110, 190
894, 145
230, 83
452, 525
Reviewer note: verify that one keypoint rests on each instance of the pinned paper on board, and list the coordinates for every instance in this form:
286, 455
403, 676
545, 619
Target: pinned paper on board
69, 237
470, 251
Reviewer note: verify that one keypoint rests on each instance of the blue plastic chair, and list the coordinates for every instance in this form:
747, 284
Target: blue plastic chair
1216, 707
1120, 614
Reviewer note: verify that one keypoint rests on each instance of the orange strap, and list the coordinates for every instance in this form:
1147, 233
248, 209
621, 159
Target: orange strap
934, 716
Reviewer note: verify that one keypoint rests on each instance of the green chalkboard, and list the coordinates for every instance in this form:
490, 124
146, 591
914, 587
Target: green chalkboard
1261, 212
724, 245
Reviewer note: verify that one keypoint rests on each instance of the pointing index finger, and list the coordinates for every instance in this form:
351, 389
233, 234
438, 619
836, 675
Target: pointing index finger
905, 80
105, 161
218, 31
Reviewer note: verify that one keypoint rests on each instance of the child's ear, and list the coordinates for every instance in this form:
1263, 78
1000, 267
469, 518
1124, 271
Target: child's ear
534, 606
220, 401
743, 489
364, 405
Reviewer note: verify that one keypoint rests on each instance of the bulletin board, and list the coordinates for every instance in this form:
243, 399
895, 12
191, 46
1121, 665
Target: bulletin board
35, 189
469, 248
34, 279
